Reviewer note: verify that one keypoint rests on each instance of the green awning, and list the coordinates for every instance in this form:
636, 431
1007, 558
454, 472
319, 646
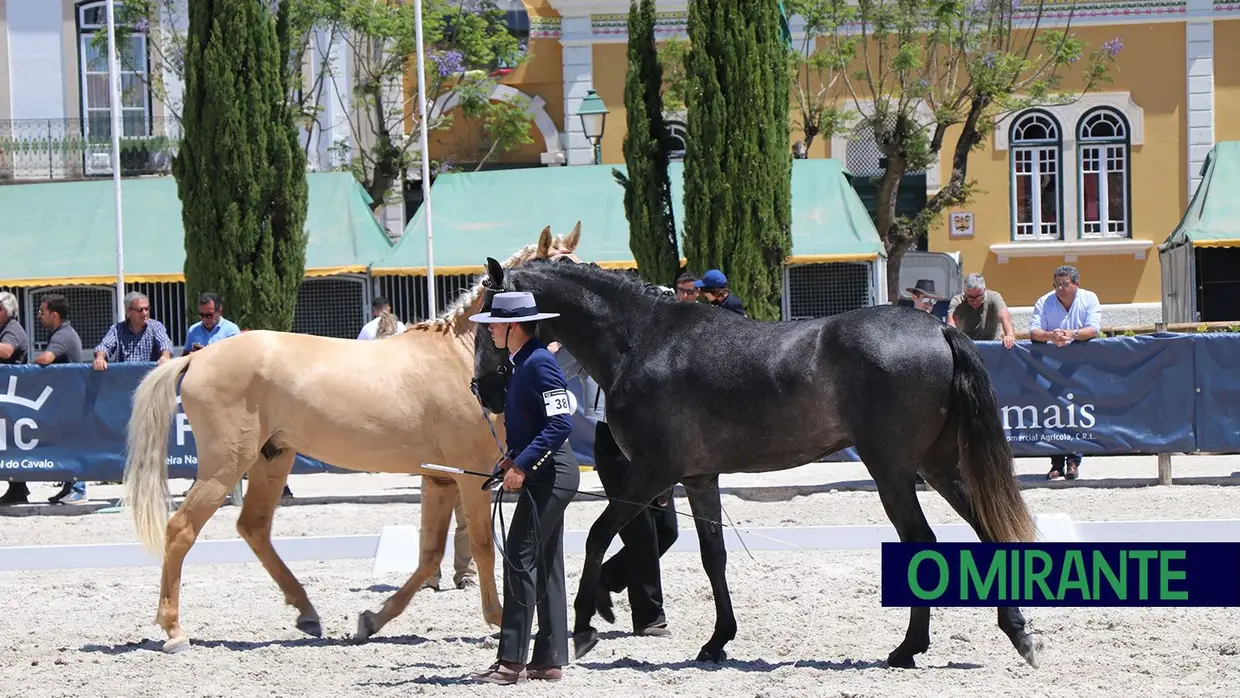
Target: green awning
1213, 216
63, 233
481, 214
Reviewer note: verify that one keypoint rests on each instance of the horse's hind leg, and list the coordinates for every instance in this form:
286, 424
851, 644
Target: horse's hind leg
267, 479
216, 478
897, 489
944, 476
437, 506
703, 493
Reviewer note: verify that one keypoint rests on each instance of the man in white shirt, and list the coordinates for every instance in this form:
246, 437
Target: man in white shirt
1065, 315
378, 308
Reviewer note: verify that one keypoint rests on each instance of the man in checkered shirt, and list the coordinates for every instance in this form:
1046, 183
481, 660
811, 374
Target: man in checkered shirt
139, 338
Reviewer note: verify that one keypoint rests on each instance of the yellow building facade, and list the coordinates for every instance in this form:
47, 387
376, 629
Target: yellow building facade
1097, 184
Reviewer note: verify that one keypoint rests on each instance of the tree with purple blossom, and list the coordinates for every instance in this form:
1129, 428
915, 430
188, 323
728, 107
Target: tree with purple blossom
910, 71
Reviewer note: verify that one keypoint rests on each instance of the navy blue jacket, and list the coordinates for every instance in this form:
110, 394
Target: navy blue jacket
733, 303
538, 413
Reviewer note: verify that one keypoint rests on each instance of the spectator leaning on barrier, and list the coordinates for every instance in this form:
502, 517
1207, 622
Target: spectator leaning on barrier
981, 313
138, 337
13, 342
1066, 314
64, 346
211, 327
714, 287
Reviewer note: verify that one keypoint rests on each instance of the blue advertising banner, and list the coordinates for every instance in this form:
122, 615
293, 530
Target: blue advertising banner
1120, 395
1112, 395
1218, 392
68, 421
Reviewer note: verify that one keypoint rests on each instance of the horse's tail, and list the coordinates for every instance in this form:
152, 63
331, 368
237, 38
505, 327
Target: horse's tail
985, 455
146, 459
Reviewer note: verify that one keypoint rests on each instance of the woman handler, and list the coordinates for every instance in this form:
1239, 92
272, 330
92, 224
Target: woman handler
538, 420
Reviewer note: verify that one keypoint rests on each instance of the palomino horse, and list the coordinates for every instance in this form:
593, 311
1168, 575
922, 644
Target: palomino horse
256, 400
693, 392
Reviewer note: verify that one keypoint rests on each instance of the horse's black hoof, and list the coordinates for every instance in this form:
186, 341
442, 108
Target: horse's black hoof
584, 641
311, 627
602, 604
901, 660
710, 655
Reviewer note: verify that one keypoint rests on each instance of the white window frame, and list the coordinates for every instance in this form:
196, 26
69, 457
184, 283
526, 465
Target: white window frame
1107, 147
86, 33
1035, 149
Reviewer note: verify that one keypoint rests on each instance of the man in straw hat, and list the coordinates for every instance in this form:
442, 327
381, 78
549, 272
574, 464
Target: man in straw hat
538, 419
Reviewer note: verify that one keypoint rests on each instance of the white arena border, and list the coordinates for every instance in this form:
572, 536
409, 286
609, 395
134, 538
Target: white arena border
395, 550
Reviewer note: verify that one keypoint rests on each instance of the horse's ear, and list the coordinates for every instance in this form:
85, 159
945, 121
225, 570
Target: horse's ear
496, 272
570, 242
544, 242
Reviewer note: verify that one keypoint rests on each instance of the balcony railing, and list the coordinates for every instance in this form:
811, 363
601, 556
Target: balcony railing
52, 149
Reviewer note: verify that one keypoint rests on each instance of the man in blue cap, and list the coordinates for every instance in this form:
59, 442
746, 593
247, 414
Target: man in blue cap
714, 285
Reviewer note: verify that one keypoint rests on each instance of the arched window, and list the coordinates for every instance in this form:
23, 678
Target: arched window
1036, 142
1103, 142
676, 143
132, 60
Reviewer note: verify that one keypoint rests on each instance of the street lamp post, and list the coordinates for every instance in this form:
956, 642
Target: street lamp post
593, 115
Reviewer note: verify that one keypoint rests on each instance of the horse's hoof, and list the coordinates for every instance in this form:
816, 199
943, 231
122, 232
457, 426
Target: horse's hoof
310, 626
366, 626
176, 645
1032, 648
602, 604
709, 655
901, 660
584, 641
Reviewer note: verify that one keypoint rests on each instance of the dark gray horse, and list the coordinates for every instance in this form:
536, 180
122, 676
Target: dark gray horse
693, 392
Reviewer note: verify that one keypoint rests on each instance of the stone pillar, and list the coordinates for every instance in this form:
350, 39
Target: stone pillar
577, 39
1200, 100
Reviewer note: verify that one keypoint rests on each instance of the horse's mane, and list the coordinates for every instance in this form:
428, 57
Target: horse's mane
626, 279
466, 300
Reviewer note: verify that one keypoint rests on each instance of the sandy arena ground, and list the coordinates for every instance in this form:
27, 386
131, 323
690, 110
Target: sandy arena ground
810, 623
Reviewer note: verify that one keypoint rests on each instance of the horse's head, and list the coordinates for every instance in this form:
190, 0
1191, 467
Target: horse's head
492, 367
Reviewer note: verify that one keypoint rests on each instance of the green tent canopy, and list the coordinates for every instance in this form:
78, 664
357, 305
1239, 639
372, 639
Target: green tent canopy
492, 214
63, 233
1213, 216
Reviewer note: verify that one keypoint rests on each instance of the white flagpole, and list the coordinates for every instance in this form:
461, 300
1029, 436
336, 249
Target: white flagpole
431, 307
114, 80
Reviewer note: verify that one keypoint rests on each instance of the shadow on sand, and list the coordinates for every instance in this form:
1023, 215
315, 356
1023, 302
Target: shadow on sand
747, 666
245, 645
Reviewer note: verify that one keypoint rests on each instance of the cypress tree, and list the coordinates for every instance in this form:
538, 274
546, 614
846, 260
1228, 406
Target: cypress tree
648, 189
738, 165
240, 170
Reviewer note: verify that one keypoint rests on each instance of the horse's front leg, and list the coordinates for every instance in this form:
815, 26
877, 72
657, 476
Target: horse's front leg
703, 492
605, 528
